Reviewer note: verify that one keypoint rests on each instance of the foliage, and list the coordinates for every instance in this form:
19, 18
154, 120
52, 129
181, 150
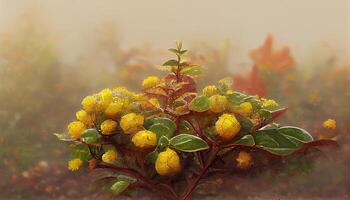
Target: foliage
168, 138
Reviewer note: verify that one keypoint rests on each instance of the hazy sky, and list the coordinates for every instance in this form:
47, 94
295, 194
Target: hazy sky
302, 24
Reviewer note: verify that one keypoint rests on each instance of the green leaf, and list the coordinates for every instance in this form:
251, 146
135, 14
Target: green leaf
119, 186
188, 143
246, 140
246, 124
163, 142
90, 136
160, 130
161, 126
63, 137
192, 70
237, 98
80, 151
199, 104
281, 141
128, 179
185, 128
265, 114
171, 62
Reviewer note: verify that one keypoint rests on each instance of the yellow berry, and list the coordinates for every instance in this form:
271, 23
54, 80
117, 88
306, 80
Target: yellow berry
109, 156
84, 117
89, 104
218, 103
227, 126
75, 164
210, 90
168, 163
106, 97
113, 110
150, 82
330, 124
75, 129
245, 109
269, 103
108, 127
244, 160
144, 139
131, 123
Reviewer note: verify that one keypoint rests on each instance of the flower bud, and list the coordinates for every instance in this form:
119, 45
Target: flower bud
218, 103
108, 127
168, 163
227, 126
131, 123
144, 139
75, 129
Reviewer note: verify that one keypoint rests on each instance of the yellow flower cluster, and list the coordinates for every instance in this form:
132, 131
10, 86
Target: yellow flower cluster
330, 124
144, 139
227, 126
150, 82
244, 160
269, 103
245, 109
218, 103
75, 129
75, 164
109, 156
131, 123
168, 163
90, 104
210, 90
108, 127
84, 117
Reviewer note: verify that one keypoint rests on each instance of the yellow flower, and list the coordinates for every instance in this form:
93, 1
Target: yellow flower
168, 163
75, 164
229, 92
144, 139
75, 129
210, 90
245, 109
227, 126
109, 156
269, 103
106, 96
218, 103
89, 104
108, 127
244, 160
131, 123
113, 110
330, 124
84, 117
150, 82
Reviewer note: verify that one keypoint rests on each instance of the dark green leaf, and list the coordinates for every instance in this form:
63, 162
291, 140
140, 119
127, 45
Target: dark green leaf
282, 141
199, 104
188, 143
247, 140
80, 151
171, 63
246, 124
90, 136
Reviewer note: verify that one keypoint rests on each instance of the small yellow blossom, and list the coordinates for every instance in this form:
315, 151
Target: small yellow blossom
210, 90
150, 82
113, 110
84, 117
131, 123
144, 139
244, 160
227, 126
228, 92
108, 127
269, 103
245, 109
89, 104
109, 156
168, 163
330, 124
75, 129
218, 103
75, 164
106, 97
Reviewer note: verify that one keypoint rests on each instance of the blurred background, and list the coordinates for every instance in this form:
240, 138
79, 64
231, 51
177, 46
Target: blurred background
53, 53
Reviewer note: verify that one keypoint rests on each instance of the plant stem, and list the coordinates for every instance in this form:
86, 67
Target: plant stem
195, 182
